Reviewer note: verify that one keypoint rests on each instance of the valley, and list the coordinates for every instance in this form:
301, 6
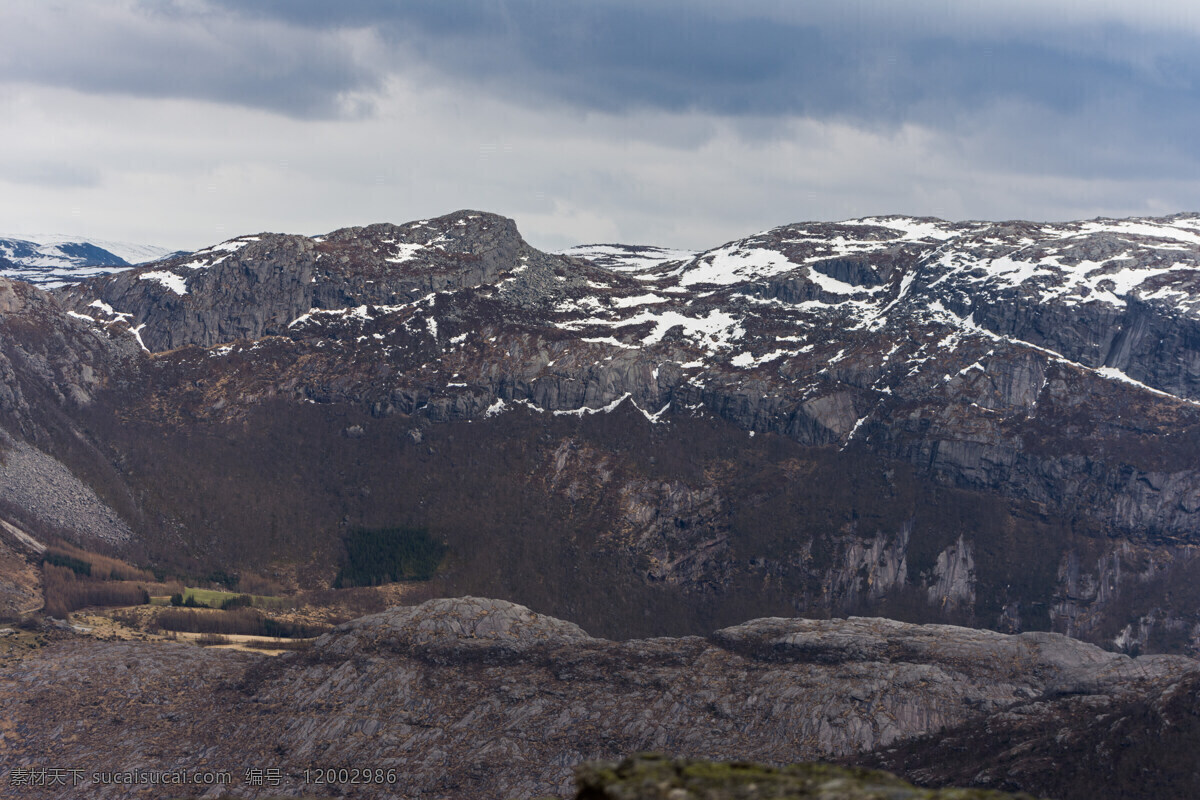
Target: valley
866, 491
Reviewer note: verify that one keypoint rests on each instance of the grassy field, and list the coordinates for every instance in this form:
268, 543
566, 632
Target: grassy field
15, 643
271, 645
213, 598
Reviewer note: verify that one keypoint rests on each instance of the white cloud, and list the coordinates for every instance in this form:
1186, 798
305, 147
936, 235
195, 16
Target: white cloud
187, 173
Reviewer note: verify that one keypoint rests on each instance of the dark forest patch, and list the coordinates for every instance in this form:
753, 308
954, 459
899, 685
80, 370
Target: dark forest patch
377, 556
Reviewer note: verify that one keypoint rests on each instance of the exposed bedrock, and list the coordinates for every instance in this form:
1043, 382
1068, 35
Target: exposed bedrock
481, 698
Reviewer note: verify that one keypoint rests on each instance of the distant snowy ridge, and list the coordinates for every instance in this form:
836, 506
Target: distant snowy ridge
50, 260
626, 257
129, 252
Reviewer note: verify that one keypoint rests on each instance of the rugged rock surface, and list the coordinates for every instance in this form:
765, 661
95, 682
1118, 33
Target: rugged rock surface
257, 286
42, 487
1140, 746
959, 348
479, 698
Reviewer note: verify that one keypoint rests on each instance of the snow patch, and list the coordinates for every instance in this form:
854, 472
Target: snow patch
607, 340
834, 286
105, 307
910, 229
853, 431
403, 253
742, 360
654, 418
627, 258
1176, 231
137, 334
640, 300
735, 263
170, 280
579, 412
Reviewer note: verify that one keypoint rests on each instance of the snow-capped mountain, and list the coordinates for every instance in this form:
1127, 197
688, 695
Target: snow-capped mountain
793, 415
758, 301
55, 260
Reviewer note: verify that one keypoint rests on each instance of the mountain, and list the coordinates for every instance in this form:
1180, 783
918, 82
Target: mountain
54, 260
984, 423
947, 424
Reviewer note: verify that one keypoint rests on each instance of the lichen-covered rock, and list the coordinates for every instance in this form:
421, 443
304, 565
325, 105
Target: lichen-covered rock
452, 630
649, 777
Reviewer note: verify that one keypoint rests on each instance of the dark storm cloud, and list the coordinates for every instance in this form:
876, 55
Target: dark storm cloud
817, 60
173, 50
814, 59
1111, 86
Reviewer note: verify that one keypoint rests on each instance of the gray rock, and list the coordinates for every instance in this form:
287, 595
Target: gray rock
481, 698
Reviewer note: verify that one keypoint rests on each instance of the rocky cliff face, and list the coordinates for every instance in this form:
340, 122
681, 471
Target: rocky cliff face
257, 286
993, 423
52, 369
481, 698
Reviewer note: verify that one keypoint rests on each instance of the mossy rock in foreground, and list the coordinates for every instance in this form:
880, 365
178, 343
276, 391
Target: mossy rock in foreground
651, 777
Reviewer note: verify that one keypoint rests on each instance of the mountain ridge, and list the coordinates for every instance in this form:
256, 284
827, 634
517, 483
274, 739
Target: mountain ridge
946, 421
777, 259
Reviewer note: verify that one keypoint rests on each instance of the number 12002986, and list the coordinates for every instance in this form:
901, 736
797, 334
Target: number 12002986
351, 776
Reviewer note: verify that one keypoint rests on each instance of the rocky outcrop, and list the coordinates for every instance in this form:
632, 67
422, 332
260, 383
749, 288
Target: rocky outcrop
52, 369
10, 298
954, 576
479, 698
257, 286
451, 632
46, 357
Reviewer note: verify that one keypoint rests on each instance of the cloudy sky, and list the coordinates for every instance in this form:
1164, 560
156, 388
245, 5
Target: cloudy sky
677, 122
